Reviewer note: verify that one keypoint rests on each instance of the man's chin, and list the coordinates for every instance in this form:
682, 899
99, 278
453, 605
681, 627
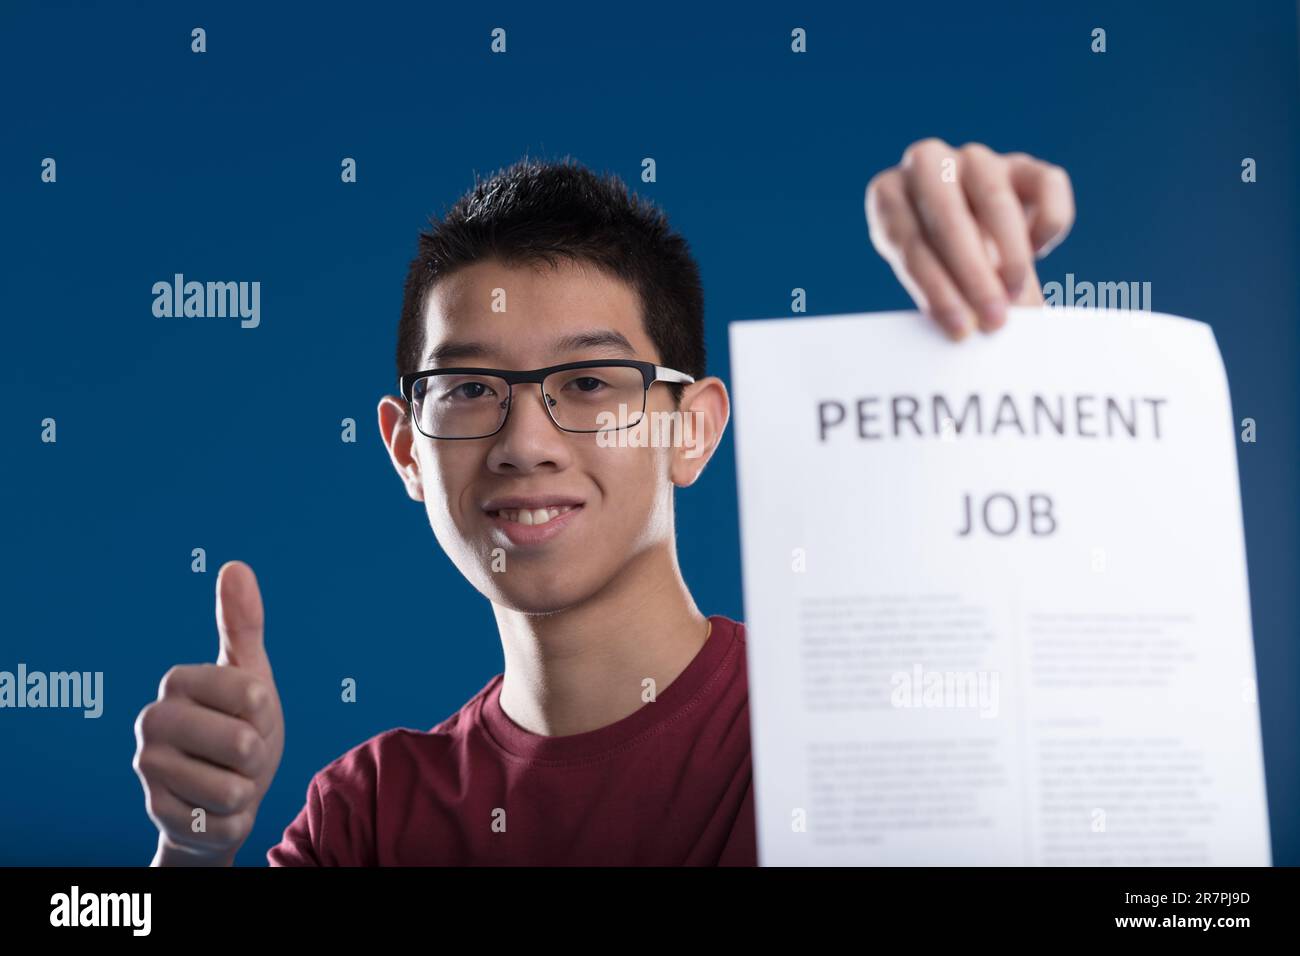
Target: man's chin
534, 603
534, 588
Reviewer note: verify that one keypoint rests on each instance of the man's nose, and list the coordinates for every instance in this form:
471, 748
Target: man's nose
528, 413
529, 437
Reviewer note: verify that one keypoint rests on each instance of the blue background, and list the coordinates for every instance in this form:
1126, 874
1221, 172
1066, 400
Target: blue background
183, 433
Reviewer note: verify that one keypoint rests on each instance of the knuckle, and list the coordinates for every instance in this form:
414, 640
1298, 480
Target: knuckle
1057, 181
875, 182
170, 681
246, 744
872, 199
891, 197
145, 763
149, 723
229, 799
976, 151
1057, 174
884, 192
923, 150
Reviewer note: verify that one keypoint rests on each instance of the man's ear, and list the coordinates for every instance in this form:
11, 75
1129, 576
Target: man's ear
395, 428
705, 409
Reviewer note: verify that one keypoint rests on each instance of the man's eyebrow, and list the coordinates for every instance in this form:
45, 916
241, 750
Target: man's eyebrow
448, 352
595, 339
606, 339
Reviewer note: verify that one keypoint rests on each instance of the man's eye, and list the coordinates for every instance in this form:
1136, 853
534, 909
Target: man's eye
467, 390
586, 383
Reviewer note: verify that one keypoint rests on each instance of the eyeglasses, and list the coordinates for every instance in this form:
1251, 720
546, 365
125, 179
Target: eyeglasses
591, 396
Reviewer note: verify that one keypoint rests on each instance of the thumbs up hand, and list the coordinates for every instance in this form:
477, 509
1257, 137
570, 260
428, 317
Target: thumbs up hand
214, 737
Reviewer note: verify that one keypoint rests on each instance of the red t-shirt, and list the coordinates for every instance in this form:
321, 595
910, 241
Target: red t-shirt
670, 785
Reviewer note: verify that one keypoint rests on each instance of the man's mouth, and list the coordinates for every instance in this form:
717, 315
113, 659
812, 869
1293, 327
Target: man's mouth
532, 516
531, 520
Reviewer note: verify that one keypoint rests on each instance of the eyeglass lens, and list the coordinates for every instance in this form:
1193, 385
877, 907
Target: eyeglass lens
590, 399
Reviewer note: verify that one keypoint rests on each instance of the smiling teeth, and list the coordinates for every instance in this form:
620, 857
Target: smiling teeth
534, 516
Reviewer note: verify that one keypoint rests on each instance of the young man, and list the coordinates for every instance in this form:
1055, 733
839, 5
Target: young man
618, 732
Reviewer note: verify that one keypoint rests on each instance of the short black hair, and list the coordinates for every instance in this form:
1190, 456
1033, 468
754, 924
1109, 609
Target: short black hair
538, 211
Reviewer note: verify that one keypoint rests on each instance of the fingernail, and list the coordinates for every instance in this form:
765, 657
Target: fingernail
957, 322
994, 313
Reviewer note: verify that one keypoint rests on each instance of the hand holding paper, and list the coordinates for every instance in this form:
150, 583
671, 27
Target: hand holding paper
996, 594
961, 228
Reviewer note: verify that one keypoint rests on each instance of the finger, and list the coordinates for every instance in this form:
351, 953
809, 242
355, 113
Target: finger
208, 735
176, 815
1032, 293
919, 270
228, 690
201, 784
987, 183
952, 232
1048, 197
240, 619
897, 236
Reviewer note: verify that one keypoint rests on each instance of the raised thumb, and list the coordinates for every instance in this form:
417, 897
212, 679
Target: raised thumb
240, 619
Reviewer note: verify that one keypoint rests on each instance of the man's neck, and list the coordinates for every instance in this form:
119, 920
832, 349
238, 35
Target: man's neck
583, 668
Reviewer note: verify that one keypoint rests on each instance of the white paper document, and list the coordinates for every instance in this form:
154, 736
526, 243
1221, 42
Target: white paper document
996, 593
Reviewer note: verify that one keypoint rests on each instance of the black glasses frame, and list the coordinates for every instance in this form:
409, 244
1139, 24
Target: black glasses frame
650, 373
